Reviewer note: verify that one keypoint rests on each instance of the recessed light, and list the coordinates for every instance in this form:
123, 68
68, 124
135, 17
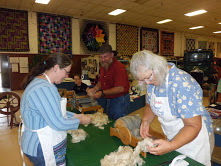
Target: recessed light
164, 21
197, 27
42, 1
195, 13
217, 32
116, 12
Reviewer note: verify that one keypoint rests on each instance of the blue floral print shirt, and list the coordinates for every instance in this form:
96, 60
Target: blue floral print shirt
185, 96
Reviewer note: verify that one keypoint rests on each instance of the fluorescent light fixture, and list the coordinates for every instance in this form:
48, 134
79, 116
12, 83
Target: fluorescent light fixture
195, 13
116, 12
219, 23
164, 21
197, 27
217, 32
42, 1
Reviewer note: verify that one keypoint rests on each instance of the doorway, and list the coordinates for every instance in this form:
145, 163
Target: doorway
4, 73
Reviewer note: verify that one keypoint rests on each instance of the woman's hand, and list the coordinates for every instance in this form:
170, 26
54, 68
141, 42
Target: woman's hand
162, 147
77, 115
85, 119
144, 129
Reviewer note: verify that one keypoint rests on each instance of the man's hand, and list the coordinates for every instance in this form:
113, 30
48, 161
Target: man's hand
91, 92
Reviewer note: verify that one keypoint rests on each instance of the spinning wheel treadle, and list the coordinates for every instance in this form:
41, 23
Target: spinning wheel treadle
9, 104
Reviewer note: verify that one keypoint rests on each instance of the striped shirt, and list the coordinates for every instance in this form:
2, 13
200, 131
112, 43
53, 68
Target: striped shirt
40, 107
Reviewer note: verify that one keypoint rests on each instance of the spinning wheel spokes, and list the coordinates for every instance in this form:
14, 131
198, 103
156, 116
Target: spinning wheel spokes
9, 104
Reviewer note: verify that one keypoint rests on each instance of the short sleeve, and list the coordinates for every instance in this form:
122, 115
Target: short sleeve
186, 96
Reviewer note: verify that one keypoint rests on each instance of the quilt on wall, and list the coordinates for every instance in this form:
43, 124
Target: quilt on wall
93, 35
202, 44
190, 44
127, 39
54, 34
167, 43
14, 30
149, 39
212, 47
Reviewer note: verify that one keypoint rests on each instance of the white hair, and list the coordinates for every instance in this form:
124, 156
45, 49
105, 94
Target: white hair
150, 61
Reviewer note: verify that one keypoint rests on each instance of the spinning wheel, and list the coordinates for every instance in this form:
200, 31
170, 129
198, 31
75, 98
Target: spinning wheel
9, 104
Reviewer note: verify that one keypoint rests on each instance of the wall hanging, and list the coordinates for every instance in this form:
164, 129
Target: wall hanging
127, 39
149, 39
14, 30
93, 35
54, 34
167, 43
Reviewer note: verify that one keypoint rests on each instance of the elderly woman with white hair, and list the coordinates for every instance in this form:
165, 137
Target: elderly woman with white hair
176, 98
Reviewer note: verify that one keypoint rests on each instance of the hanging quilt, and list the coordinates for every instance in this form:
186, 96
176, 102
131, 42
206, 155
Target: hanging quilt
212, 47
190, 44
202, 44
13, 30
149, 39
93, 35
167, 43
127, 39
54, 34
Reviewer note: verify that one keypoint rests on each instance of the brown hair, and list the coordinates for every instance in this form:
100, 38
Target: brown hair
54, 59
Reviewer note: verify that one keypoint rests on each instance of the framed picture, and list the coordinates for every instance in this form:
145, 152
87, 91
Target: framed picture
85, 62
88, 68
92, 70
82, 65
95, 62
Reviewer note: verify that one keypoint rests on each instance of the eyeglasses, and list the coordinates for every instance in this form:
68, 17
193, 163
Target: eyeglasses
147, 80
66, 71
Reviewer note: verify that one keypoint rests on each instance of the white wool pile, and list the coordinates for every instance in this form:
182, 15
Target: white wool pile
126, 156
98, 119
77, 135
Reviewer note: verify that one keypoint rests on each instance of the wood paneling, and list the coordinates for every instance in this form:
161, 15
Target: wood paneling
17, 78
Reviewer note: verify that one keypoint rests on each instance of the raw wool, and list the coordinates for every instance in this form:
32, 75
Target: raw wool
77, 135
124, 156
142, 145
98, 120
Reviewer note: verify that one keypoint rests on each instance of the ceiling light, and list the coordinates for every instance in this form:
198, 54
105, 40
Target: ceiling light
164, 21
116, 12
42, 1
219, 23
217, 32
195, 13
197, 27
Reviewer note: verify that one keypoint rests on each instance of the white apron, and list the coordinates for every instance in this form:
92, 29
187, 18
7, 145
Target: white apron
53, 142
199, 148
